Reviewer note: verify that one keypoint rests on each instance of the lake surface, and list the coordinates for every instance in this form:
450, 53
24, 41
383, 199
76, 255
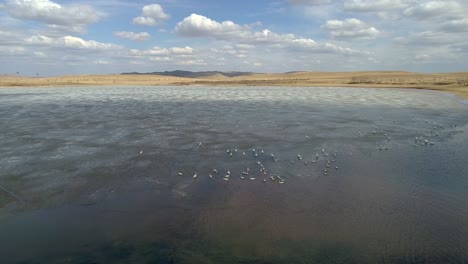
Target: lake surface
106, 174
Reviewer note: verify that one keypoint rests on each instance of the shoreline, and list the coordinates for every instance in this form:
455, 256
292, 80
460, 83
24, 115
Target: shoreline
455, 83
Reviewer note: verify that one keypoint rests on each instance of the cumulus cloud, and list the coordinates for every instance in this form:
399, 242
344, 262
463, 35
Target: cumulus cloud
350, 28
70, 42
199, 62
433, 9
132, 35
151, 15
373, 5
158, 51
51, 13
201, 26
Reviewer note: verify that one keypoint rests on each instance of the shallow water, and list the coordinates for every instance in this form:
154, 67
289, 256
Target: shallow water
91, 175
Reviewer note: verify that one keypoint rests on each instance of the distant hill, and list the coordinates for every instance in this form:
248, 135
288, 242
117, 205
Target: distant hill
190, 74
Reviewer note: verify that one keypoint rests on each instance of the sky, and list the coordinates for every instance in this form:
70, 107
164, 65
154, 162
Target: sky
47, 38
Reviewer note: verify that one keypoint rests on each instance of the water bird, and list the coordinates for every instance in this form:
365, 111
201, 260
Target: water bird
264, 180
323, 151
235, 150
211, 176
141, 152
243, 153
299, 157
199, 144
316, 156
180, 173
228, 172
307, 137
262, 152
215, 171
195, 175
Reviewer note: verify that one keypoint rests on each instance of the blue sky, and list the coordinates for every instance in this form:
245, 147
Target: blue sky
113, 36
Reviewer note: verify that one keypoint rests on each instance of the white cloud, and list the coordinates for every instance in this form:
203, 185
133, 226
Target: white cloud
197, 26
350, 28
151, 15
70, 42
199, 62
158, 51
309, 2
40, 54
427, 38
456, 25
373, 5
201, 26
433, 9
132, 35
51, 13
101, 62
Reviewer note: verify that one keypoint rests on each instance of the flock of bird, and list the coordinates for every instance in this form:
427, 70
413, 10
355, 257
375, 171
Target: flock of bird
259, 170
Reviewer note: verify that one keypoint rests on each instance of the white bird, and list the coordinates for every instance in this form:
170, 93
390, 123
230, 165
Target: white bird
195, 175
299, 157
262, 151
180, 174
141, 152
215, 171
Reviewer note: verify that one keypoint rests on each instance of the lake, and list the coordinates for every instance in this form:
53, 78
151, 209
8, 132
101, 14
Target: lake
195, 174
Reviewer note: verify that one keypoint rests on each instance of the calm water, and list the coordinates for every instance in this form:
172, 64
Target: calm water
91, 175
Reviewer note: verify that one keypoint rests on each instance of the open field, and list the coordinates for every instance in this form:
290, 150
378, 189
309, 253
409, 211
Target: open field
449, 82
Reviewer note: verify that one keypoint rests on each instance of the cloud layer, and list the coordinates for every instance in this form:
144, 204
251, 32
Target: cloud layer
106, 36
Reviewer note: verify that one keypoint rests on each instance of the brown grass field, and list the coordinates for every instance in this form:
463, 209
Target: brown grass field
456, 83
